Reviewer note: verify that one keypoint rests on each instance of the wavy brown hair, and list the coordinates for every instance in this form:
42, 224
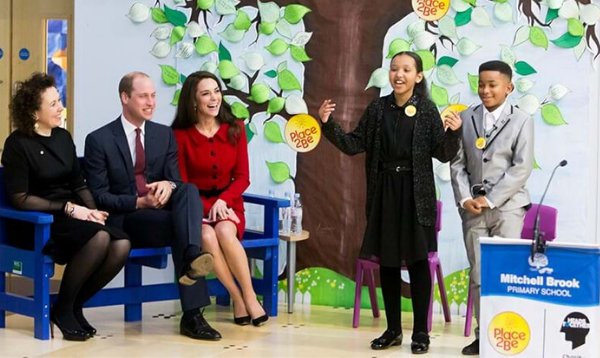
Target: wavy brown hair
186, 108
27, 100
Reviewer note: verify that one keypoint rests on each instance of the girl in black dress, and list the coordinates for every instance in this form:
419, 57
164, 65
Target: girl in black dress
400, 133
42, 173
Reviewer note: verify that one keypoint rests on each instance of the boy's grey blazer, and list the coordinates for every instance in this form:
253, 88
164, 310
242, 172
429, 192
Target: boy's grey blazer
505, 163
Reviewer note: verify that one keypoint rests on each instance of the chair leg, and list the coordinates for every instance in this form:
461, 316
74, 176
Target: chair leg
41, 294
469, 316
133, 278
357, 294
443, 296
2, 292
271, 284
372, 293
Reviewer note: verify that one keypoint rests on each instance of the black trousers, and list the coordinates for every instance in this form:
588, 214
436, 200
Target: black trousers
178, 225
420, 288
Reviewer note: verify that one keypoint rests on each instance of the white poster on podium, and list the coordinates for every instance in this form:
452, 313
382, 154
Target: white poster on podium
548, 307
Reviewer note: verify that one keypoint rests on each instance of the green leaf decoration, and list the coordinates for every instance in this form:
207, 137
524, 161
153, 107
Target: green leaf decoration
175, 100
447, 27
299, 54
176, 17
552, 116
169, 75
204, 4
205, 45
284, 29
551, 15
238, 82
271, 73
567, 41
224, 53
273, 132
508, 55
439, 95
471, 2
209, 66
226, 7
182, 78
282, 66
269, 11
538, 37
267, 28
397, 46
473, 83
275, 105
277, 47
503, 11
294, 13
279, 171
250, 131
158, 15
177, 34
287, 81
521, 35
427, 58
227, 69
259, 93
240, 111
463, 18
242, 21
523, 85
535, 164
524, 69
232, 34
446, 60
576, 27
466, 46
447, 76
379, 78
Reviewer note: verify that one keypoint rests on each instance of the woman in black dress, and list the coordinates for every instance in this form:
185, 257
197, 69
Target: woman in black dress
42, 173
400, 133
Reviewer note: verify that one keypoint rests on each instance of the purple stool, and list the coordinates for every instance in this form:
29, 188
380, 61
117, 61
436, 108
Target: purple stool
367, 268
548, 216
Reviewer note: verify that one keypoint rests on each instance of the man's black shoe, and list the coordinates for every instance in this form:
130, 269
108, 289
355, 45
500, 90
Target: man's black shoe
196, 327
472, 349
199, 265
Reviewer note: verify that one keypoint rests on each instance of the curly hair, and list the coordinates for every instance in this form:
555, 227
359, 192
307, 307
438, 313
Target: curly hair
186, 111
27, 100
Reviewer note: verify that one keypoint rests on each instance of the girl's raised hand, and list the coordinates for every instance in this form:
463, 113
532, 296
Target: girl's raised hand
325, 111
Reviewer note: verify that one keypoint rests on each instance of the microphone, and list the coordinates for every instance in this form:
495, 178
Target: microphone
538, 246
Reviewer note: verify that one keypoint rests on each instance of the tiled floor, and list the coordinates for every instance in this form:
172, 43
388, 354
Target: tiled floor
309, 332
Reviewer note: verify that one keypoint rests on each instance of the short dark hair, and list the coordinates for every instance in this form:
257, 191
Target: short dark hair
27, 100
496, 65
126, 83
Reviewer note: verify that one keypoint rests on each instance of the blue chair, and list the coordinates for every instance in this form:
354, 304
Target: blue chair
39, 267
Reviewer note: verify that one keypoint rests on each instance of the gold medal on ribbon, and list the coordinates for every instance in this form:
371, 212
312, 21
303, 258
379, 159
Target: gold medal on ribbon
410, 110
480, 143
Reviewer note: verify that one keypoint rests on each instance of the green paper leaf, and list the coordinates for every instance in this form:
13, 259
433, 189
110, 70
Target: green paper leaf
294, 13
427, 58
177, 34
524, 69
471, 2
226, 7
379, 78
538, 37
551, 15
284, 29
250, 131
158, 15
447, 76
271, 73
439, 95
169, 75
552, 115
567, 41
242, 21
287, 81
267, 28
238, 82
240, 111
397, 46
275, 105
463, 18
279, 171
299, 54
176, 17
269, 11
227, 69
224, 53
576, 27
272, 132
175, 100
535, 164
277, 47
473, 83
259, 93
205, 45
446, 60
232, 34
209, 66
182, 78
205, 4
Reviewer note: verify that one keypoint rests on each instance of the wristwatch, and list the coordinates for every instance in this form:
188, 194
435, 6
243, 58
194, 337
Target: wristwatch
173, 185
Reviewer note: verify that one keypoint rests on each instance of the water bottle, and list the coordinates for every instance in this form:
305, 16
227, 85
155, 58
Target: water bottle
296, 215
286, 214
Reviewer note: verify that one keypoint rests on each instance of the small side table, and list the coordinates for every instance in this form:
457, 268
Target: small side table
291, 262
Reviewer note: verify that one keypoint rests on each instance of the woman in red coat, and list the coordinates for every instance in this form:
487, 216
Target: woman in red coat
213, 155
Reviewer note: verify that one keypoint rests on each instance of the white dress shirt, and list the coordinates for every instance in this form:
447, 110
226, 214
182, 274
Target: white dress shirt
129, 129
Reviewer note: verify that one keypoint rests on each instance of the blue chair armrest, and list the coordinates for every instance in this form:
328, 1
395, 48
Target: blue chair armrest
266, 201
29, 216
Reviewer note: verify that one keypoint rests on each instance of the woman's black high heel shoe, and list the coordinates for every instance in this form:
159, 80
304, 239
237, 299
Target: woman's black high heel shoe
85, 325
387, 339
68, 333
242, 321
259, 321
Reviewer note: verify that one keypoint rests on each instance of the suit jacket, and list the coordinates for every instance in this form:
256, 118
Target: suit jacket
505, 163
429, 140
109, 168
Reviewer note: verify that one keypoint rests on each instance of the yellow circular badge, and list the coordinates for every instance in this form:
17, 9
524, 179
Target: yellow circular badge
431, 10
509, 333
302, 133
480, 143
410, 110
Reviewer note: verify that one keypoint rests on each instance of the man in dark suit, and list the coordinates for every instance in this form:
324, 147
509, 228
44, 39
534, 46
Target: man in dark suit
132, 172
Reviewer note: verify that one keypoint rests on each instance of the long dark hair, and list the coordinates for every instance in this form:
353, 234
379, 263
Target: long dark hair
186, 107
27, 100
421, 87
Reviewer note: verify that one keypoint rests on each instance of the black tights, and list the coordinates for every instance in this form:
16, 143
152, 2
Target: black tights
90, 269
420, 288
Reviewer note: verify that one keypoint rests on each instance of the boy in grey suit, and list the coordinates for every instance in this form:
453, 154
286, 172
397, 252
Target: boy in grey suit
490, 170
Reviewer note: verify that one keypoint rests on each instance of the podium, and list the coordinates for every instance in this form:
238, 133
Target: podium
546, 307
